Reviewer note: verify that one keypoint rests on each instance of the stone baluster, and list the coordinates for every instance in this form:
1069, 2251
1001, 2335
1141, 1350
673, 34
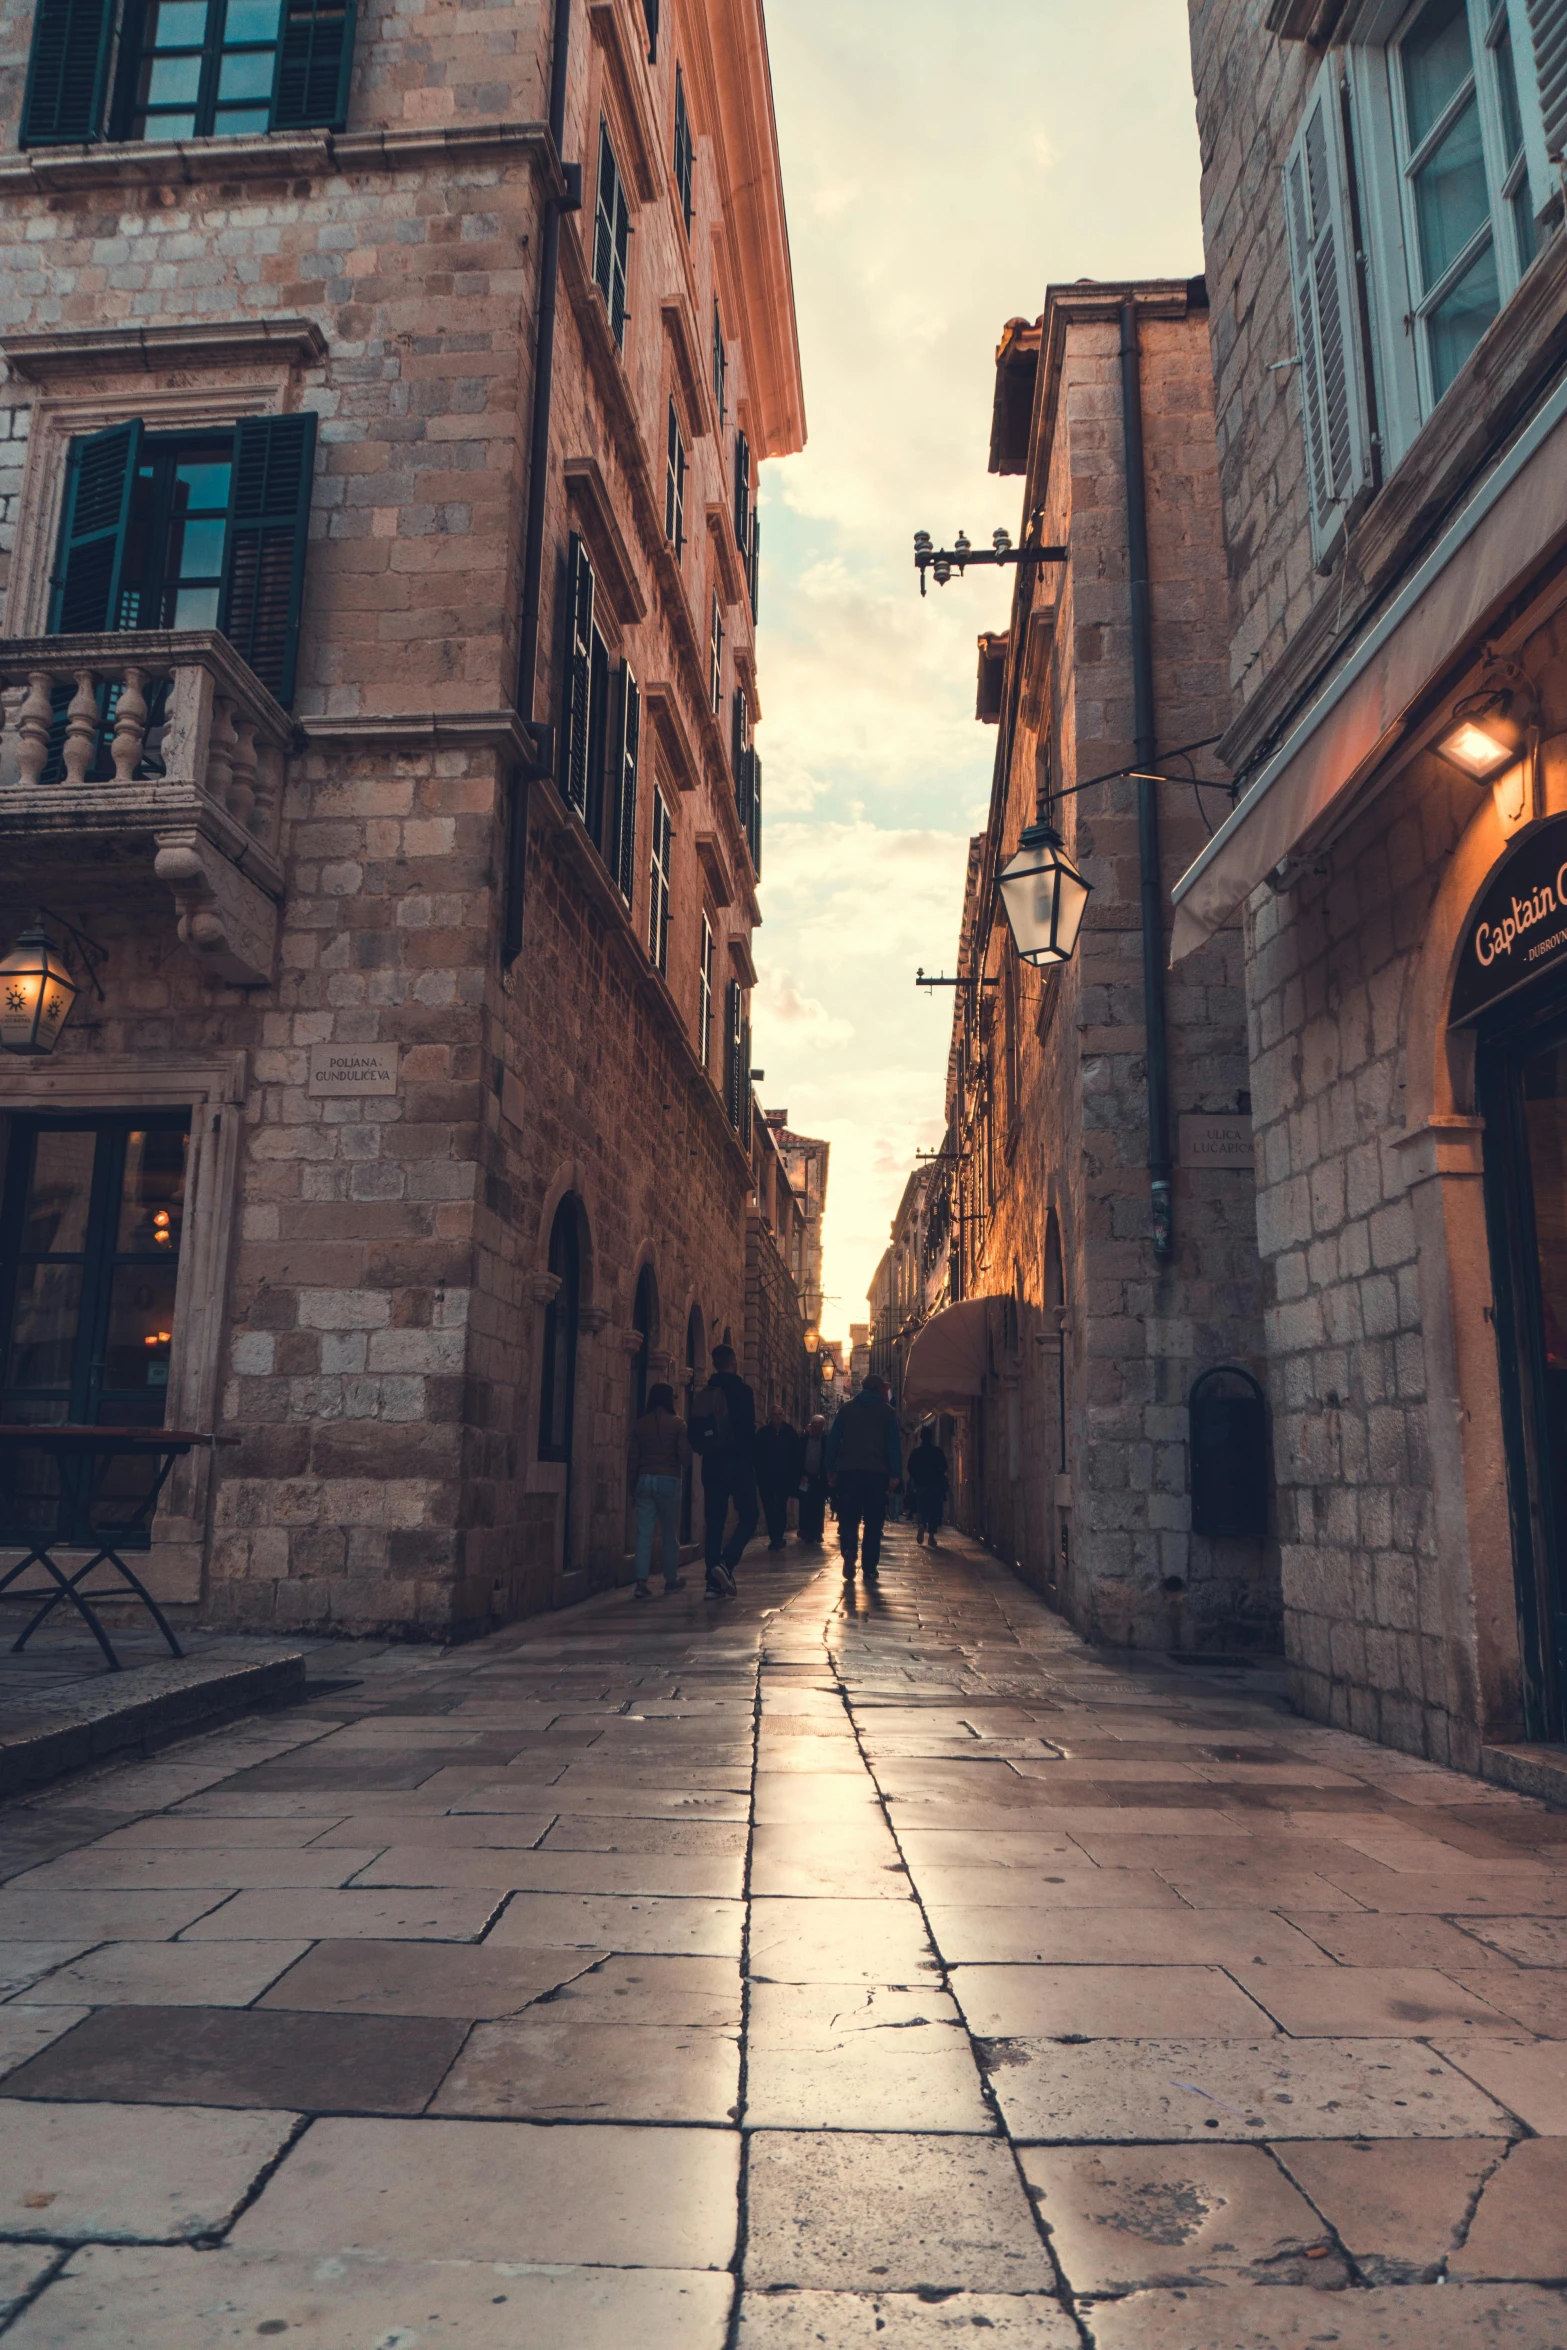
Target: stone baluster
220, 752
81, 728
130, 725
242, 789
267, 788
33, 721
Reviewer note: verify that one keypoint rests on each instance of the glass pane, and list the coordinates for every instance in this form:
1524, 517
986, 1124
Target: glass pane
174, 81
55, 1219
152, 1200
1452, 201
1461, 318
1436, 57
176, 24
44, 1323
246, 75
251, 20
235, 121
201, 484
141, 1328
196, 549
168, 126
1523, 226
195, 608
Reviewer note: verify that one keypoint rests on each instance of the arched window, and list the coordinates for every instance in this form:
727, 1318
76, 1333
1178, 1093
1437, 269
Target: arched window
558, 1391
644, 1320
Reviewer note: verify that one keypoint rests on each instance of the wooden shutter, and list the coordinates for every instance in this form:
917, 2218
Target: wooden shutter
675, 485
87, 579
611, 237
1331, 354
577, 694
685, 152
733, 1030
67, 73
754, 825
628, 759
264, 561
742, 493
315, 62
743, 1121
753, 567
1548, 28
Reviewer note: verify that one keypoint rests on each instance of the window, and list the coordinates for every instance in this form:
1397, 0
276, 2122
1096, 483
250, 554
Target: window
715, 658
737, 1061
675, 485
658, 899
622, 859
720, 365
748, 777
186, 69
704, 993
650, 19
191, 530
611, 238
742, 493
576, 718
685, 152
753, 565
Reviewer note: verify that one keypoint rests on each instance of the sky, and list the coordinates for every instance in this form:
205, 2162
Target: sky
943, 162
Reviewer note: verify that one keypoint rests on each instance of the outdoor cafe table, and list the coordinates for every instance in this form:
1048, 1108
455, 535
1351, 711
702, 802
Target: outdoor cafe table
82, 1457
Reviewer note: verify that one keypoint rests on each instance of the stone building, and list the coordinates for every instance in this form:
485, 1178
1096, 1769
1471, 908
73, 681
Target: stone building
384, 400
1098, 1185
910, 1282
806, 1160
775, 1359
1389, 337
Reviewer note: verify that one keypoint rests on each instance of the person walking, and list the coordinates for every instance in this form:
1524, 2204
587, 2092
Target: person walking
779, 1448
864, 1462
927, 1483
723, 1431
656, 1455
813, 1482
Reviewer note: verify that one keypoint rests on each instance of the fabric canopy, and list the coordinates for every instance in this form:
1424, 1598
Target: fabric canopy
950, 1358
1511, 523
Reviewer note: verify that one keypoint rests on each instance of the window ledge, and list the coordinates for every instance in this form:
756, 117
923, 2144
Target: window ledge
298, 342
1489, 400
280, 154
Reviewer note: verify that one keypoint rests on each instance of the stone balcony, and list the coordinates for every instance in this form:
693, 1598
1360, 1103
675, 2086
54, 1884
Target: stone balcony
153, 758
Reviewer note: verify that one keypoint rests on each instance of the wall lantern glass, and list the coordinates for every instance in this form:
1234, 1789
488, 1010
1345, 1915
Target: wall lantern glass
1483, 744
36, 995
1045, 897
813, 1338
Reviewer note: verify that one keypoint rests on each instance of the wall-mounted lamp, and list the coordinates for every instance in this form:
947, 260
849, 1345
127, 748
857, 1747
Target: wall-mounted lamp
1045, 897
1494, 728
36, 987
944, 561
813, 1338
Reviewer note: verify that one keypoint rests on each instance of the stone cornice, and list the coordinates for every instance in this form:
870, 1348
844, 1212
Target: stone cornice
100, 350
51, 171
446, 730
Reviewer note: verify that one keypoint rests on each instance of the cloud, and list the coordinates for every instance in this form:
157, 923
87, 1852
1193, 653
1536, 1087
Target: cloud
923, 214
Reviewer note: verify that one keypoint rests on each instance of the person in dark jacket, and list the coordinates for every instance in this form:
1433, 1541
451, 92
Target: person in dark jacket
778, 1454
864, 1463
813, 1482
723, 1431
928, 1485
656, 1457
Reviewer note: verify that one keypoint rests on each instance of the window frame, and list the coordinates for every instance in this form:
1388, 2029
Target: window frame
715, 657
661, 862
706, 975
610, 261
675, 483
312, 52
683, 154
720, 365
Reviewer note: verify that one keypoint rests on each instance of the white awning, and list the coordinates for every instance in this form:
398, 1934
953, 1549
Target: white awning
1516, 517
950, 1359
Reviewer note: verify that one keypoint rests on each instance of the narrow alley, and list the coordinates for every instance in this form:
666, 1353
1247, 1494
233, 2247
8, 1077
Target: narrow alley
822, 1968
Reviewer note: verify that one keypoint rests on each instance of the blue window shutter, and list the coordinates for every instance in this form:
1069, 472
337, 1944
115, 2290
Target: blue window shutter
264, 561
577, 690
315, 63
67, 73
1548, 25
629, 762
86, 585
1332, 370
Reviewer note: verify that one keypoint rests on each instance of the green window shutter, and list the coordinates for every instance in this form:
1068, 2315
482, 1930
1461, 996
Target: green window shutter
315, 62
685, 152
577, 693
739, 730
734, 1024
753, 564
67, 73
611, 237
743, 1121
630, 749
742, 493
99, 481
264, 561
753, 832
1548, 27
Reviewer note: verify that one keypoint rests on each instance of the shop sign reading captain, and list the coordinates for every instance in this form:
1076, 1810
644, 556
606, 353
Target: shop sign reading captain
1518, 932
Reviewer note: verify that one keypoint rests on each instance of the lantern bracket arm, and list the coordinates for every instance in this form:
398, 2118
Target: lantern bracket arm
93, 956
1146, 775
924, 979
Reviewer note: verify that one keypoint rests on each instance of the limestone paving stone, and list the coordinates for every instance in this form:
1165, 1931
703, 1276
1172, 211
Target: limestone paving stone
1371, 1938
1027, 1850
424, 1915
1529, 1941
379, 1831
50, 1914
889, 2212
1533, 1998
852, 2056
113, 2299
787, 1800
903, 2321
27, 2028
1399, 2207
581, 2195
838, 1941
168, 1974
226, 1868
178, 1831
24, 1963
1519, 2228
1239, 1938
616, 1801
688, 1875
1331, 2002
1063, 1886
580, 1832
1528, 2077
1466, 1892
672, 1927
1411, 2317
244, 2056
701, 1993
22, 2270
70, 2174
1107, 2002
1124, 2221
421, 1978
546, 2067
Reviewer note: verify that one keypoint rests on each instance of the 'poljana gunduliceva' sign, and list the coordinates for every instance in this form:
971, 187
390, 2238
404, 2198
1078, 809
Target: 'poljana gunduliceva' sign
1518, 932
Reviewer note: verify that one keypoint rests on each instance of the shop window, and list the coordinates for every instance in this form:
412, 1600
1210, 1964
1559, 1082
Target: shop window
186, 69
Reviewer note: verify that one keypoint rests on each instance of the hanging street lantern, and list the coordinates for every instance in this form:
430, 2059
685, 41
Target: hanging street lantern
36, 995
1045, 897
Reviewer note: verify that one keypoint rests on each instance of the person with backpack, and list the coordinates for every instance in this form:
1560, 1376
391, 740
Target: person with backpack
656, 1457
928, 1485
779, 1451
723, 1432
864, 1463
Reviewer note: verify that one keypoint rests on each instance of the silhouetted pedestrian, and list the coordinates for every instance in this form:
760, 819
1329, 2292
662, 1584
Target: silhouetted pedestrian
723, 1431
656, 1457
813, 1482
928, 1485
778, 1453
864, 1462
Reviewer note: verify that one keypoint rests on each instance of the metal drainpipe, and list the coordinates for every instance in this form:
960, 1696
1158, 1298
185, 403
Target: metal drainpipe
1156, 1051
538, 473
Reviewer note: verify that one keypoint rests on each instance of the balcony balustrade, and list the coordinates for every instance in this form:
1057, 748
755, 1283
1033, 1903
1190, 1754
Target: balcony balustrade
154, 753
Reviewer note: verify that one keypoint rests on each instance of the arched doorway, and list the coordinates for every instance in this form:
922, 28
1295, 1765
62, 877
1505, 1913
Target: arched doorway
562, 1323
696, 1350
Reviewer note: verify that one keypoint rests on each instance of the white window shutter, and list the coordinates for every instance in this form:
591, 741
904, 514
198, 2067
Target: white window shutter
1548, 30
1331, 351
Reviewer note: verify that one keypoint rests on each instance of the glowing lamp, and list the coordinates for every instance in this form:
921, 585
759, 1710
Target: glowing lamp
1045, 897
36, 995
1485, 739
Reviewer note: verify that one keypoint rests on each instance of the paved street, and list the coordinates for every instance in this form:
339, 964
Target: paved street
902, 1959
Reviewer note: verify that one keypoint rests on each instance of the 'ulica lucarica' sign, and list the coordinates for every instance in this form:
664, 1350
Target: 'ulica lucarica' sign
1517, 934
